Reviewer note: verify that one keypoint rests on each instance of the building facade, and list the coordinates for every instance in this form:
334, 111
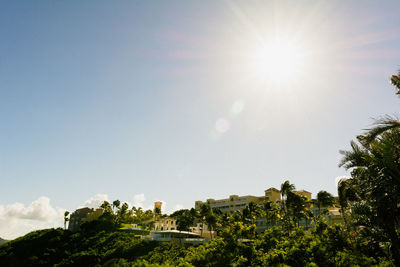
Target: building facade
237, 203
82, 215
165, 224
77, 218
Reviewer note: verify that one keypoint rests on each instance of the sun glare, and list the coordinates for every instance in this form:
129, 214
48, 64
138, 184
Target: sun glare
277, 62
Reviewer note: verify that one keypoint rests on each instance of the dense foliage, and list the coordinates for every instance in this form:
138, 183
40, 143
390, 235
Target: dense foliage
323, 246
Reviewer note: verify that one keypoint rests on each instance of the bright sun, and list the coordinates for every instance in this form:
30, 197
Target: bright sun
277, 62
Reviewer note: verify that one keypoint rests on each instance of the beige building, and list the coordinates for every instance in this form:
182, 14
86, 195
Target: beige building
334, 217
93, 215
157, 205
178, 237
272, 194
237, 203
77, 217
304, 193
202, 230
165, 224
169, 224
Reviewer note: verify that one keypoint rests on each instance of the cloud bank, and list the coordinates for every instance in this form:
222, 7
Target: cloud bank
17, 219
96, 201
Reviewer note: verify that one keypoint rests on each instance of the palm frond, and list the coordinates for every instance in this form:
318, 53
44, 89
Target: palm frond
382, 125
395, 80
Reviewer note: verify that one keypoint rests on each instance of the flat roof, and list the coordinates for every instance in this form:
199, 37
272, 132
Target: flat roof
175, 232
212, 200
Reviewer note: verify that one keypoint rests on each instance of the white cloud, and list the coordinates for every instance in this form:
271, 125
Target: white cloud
177, 207
39, 210
163, 206
17, 219
138, 200
96, 201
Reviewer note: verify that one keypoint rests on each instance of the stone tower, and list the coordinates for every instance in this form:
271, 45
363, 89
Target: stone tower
157, 205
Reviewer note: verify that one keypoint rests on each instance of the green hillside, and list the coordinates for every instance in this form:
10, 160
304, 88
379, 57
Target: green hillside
324, 246
58, 246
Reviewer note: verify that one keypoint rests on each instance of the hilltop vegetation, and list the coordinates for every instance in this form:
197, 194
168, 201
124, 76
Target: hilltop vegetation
58, 246
324, 246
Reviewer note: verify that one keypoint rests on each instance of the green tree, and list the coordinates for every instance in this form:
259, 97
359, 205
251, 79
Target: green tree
395, 80
157, 211
139, 215
387, 123
297, 207
108, 214
272, 212
184, 219
286, 188
194, 213
66, 219
375, 172
106, 206
324, 199
124, 215
347, 193
211, 220
251, 212
205, 210
116, 204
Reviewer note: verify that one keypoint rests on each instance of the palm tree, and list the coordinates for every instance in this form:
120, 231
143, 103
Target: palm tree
211, 220
347, 194
382, 125
253, 211
286, 187
108, 214
116, 204
386, 123
324, 199
395, 80
297, 207
205, 210
184, 220
66, 219
123, 214
272, 211
106, 206
375, 172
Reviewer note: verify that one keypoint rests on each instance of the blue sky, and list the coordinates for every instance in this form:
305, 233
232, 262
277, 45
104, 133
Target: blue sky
125, 98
